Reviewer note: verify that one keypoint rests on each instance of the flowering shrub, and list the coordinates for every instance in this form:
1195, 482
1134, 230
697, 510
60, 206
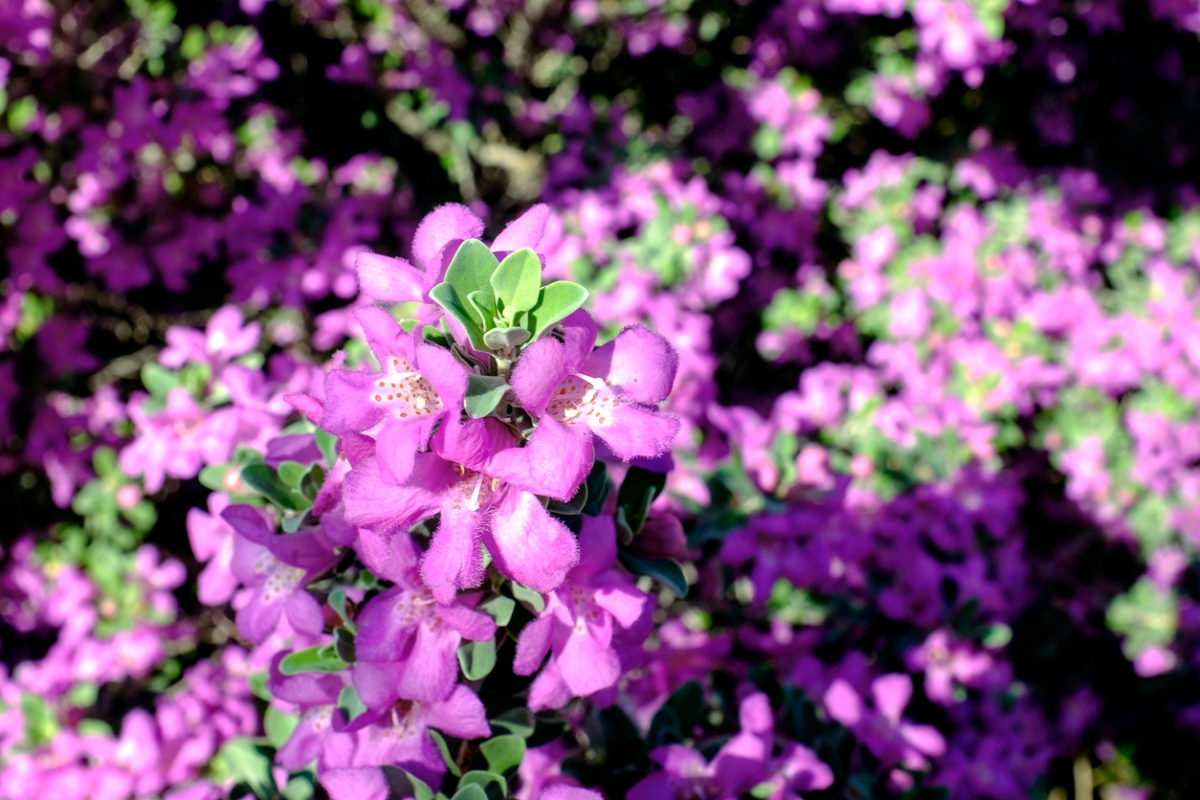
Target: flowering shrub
568, 401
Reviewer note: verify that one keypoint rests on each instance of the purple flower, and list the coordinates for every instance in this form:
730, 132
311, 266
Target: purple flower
947, 663
882, 730
595, 610
576, 393
419, 385
274, 569
395, 736
407, 642
175, 441
212, 542
225, 337
395, 280
743, 763
477, 505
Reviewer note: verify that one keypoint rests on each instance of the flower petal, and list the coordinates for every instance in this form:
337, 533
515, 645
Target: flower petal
554, 463
371, 503
533, 645
461, 714
431, 669
633, 431
304, 613
454, 560
392, 557
347, 407
443, 224
625, 603
587, 664
384, 335
389, 280
539, 371
249, 523
524, 231
639, 362
597, 548
383, 635
471, 443
445, 373
257, 619
579, 337
375, 682
473, 625
548, 690
355, 783
396, 448
528, 545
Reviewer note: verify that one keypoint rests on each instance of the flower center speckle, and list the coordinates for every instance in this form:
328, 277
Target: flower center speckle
581, 398
404, 391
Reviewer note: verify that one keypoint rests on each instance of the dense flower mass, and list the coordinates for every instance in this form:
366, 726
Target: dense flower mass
484, 400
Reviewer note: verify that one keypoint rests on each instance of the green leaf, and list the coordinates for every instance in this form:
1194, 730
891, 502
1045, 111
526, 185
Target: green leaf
311, 481
637, 492
504, 752
442, 747
477, 659
471, 271
674, 721
664, 570
763, 790
517, 721
517, 281
402, 783
484, 393
445, 296
343, 645
262, 479
598, 487
494, 786
530, 597
484, 305
323, 658
247, 763
104, 461
350, 704
257, 681
278, 726
299, 787
471, 792
141, 515
337, 601
572, 507
500, 608
556, 302
435, 337
159, 380
505, 338
290, 472
293, 523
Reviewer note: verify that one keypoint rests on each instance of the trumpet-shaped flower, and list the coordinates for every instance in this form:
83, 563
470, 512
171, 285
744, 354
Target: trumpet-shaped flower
407, 642
395, 280
743, 763
576, 392
274, 569
585, 621
417, 385
225, 337
394, 736
477, 506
